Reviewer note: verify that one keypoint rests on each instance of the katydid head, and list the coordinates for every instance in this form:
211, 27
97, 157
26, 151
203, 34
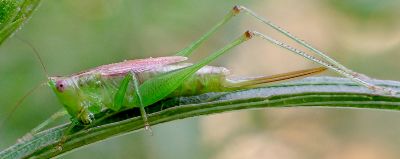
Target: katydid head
78, 105
65, 91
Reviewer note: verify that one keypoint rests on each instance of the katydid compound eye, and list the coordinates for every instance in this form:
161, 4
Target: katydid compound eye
60, 85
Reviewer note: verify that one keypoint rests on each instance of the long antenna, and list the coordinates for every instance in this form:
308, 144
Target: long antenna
20, 100
36, 52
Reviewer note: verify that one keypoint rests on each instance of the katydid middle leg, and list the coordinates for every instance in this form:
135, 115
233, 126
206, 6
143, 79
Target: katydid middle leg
120, 96
140, 99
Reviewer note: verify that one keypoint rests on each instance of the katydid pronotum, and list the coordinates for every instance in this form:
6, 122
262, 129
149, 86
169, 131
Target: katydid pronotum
142, 82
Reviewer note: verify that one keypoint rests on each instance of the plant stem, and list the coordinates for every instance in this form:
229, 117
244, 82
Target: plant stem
309, 92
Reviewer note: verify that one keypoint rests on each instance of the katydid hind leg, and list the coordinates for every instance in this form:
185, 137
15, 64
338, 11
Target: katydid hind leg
189, 49
331, 63
333, 67
250, 82
294, 38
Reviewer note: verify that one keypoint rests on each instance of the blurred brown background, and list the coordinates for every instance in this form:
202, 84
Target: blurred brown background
73, 35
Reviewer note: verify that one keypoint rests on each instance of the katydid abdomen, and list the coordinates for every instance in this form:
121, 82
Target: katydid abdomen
207, 79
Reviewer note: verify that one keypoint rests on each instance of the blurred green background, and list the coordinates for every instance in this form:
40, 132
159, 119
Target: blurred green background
73, 35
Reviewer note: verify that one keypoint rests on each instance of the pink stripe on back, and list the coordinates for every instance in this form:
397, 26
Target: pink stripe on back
138, 65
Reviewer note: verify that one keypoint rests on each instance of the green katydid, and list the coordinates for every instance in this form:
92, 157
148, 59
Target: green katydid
142, 82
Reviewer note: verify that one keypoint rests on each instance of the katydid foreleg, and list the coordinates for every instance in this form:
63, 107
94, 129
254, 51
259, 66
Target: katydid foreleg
116, 107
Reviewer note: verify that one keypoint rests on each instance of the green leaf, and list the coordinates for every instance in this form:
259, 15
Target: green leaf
309, 92
8, 9
13, 14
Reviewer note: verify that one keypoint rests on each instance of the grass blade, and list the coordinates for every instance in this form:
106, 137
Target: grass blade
13, 14
308, 92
